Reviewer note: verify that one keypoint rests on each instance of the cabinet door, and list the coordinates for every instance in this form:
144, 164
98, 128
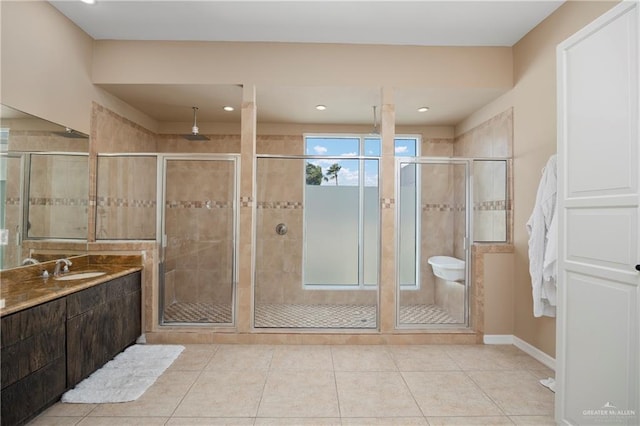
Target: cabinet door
87, 334
103, 329
32, 361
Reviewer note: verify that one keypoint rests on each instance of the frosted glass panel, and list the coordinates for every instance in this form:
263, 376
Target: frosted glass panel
331, 235
408, 228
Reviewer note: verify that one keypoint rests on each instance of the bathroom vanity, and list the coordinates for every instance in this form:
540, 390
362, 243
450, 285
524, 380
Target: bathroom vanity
57, 332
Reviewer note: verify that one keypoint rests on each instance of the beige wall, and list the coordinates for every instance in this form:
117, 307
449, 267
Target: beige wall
498, 293
45, 67
534, 101
278, 64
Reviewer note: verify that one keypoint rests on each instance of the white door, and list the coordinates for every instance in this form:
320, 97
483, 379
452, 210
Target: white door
598, 285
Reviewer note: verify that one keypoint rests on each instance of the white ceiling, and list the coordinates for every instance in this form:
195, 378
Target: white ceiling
441, 23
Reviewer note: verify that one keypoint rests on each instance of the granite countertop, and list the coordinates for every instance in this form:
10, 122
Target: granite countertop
23, 288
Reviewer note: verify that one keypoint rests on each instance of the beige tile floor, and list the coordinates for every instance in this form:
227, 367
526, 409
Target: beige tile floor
333, 385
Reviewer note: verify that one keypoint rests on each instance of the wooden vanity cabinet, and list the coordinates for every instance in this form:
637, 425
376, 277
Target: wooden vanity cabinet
51, 347
101, 322
33, 361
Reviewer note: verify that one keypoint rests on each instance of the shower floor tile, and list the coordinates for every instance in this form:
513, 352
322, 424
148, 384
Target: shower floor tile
304, 316
198, 313
315, 316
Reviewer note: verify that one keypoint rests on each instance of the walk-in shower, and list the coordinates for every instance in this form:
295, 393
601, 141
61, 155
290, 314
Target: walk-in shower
198, 239
323, 271
444, 206
188, 204
433, 220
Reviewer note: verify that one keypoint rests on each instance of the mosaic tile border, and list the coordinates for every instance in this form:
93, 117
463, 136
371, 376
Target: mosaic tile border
387, 203
12, 201
51, 201
498, 205
207, 204
124, 202
287, 205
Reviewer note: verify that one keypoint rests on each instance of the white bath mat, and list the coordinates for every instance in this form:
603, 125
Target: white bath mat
126, 377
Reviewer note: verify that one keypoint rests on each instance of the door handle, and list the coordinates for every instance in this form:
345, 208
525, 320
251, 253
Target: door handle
638, 267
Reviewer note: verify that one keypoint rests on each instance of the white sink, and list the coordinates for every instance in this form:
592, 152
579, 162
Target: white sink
80, 276
448, 268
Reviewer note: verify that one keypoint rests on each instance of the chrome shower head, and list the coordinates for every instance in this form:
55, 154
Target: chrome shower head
71, 134
195, 131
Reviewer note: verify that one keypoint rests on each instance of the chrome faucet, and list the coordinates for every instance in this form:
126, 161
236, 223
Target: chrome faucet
59, 263
29, 261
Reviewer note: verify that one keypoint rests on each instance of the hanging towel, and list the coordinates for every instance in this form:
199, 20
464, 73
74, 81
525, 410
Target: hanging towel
542, 227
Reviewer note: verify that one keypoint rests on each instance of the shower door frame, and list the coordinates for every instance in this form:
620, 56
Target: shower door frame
22, 157
468, 238
161, 237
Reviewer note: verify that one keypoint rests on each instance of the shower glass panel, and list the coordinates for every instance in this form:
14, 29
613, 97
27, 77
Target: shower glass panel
199, 229
490, 201
58, 200
323, 271
433, 221
11, 172
126, 198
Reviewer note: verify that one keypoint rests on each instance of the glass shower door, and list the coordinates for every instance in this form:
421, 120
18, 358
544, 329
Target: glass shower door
199, 223
434, 226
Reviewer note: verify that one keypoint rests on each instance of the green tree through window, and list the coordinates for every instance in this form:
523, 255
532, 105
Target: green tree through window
314, 174
332, 173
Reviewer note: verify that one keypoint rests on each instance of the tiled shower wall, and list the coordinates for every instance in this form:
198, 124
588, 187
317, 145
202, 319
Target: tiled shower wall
126, 198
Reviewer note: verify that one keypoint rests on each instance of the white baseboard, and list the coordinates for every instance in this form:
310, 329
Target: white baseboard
509, 339
498, 339
535, 353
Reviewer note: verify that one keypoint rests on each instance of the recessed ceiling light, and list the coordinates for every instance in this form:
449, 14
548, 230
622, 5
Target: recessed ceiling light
89, 1
321, 107
228, 108
423, 109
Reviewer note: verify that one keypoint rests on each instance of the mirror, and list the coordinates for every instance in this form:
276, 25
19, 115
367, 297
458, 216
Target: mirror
44, 189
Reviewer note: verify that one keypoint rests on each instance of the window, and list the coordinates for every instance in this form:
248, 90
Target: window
342, 208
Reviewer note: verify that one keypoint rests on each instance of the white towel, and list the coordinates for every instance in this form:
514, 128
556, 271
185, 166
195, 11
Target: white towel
543, 240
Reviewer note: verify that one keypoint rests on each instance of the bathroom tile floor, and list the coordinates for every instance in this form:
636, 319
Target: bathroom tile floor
333, 385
